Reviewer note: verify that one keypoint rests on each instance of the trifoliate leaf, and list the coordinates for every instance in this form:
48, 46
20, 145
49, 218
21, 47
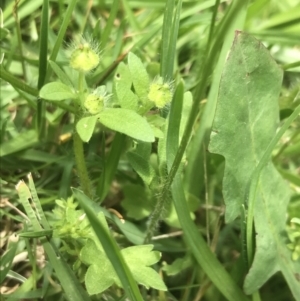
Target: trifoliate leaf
127, 122
85, 127
126, 98
57, 91
139, 76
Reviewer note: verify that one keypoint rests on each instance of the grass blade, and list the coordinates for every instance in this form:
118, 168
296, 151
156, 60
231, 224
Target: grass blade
166, 34
110, 22
40, 114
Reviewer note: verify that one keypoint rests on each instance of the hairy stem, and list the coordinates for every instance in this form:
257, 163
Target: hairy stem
78, 146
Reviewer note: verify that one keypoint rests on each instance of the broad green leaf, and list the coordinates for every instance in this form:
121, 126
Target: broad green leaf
96, 279
127, 122
139, 258
123, 75
57, 91
246, 116
126, 98
245, 122
101, 274
139, 76
85, 127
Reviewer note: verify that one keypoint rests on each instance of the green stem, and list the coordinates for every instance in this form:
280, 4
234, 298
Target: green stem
156, 215
80, 161
78, 145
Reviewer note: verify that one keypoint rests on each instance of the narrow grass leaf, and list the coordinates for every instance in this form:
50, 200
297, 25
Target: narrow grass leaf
37, 204
110, 22
43, 52
7, 259
62, 31
36, 234
173, 41
22, 141
166, 34
60, 74
15, 82
111, 249
202, 253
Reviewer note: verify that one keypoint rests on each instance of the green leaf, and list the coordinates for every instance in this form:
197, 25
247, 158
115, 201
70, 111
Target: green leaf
127, 122
32, 234
7, 259
177, 266
139, 258
139, 76
97, 279
245, 122
123, 75
101, 275
22, 141
85, 127
57, 91
3, 33
126, 98
110, 247
139, 159
72, 287
137, 202
157, 122
246, 116
61, 74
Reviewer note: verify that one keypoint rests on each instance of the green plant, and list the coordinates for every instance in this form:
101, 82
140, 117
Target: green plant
162, 139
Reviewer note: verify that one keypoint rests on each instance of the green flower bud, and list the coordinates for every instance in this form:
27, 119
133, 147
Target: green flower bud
84, 58
160, 93
94, 103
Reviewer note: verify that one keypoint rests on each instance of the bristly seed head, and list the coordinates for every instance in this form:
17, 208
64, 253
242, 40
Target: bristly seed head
85, 56
160, 93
